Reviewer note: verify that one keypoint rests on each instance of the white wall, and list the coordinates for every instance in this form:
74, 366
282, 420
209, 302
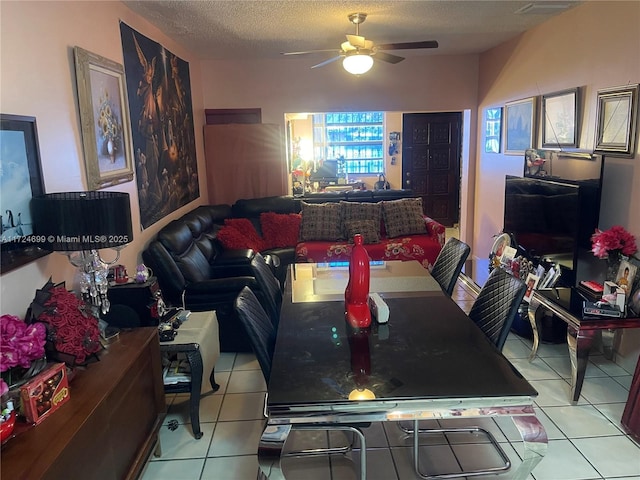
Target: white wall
37, 76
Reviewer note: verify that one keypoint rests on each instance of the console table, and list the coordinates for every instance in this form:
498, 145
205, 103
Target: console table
108, 428
566, 304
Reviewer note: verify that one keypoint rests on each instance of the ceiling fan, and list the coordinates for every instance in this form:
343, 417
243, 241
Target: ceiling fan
358, 53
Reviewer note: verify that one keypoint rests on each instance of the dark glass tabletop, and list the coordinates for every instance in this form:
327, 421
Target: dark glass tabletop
430, 349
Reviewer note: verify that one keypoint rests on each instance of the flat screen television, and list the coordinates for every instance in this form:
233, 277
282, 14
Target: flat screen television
552, 215
326, 171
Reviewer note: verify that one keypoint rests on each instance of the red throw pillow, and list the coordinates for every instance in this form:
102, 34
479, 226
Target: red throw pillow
233, 239
280, 229
246, 228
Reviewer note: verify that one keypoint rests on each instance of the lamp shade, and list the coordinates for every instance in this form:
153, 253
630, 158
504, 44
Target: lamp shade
74, 221
357, 63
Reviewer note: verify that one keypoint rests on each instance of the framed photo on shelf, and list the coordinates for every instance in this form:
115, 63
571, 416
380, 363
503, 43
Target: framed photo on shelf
20, 181
633, 295
560, 119
493, 129
625, 278
104, 115
532, 283
617, 121
520, 125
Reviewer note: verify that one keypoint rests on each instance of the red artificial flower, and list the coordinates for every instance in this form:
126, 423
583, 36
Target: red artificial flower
616, 239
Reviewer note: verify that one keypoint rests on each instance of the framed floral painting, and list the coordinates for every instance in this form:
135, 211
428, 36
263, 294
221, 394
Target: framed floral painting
104, 116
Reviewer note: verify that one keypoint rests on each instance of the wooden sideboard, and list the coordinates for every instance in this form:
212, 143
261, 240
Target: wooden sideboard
108, 428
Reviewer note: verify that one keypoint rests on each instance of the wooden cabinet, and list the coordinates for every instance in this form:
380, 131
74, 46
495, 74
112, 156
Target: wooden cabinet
108, 428
244, 161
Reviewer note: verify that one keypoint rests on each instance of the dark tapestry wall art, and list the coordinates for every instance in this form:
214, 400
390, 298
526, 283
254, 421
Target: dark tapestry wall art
159, 90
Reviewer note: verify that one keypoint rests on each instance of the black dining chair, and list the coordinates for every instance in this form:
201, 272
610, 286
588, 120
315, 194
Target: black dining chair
270, 293
449, 263
493, 312
262, 336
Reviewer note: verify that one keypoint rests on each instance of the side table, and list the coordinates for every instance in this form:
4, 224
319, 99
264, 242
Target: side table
197, 338
566, 304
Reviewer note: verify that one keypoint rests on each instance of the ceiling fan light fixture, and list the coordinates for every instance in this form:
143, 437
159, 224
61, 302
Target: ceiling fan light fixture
357, 64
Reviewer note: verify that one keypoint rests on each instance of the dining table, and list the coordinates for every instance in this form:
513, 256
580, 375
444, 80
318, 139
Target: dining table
428, 361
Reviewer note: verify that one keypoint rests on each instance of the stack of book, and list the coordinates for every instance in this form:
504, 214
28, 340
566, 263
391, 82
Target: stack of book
178, 371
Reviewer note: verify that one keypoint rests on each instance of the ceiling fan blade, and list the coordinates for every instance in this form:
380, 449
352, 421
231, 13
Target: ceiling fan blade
346, 47
326, 62
309, 51
409, 45
356, 40
387, 57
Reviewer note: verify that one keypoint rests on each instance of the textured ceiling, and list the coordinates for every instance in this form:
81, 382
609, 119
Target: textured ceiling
261, 29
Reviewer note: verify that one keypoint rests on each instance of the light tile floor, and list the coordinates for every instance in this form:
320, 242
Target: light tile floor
586, 441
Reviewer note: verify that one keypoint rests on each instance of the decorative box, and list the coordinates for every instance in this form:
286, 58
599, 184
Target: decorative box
45, 393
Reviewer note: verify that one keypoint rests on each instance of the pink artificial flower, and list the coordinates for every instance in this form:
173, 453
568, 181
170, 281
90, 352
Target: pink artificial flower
20, 343
614, 239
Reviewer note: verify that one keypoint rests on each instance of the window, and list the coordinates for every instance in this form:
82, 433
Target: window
493, 121
355, 139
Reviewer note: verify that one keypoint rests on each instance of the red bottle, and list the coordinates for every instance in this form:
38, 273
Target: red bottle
357, 291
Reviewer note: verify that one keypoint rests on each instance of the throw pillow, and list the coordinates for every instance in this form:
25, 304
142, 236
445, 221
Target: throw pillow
280, 229
403, 217
352, 211
369, 229
321, 222
233, 239
247, 228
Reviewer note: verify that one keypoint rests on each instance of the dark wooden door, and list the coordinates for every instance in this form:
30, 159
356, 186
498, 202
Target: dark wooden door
431, 144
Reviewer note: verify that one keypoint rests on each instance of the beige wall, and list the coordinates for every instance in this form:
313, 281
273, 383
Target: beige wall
38, 79
594, 46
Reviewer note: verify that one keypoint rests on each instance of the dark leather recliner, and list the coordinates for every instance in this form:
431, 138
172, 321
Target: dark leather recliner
194, 272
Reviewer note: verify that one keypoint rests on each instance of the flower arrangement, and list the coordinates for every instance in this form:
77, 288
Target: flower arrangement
615, 241
110, 126
20, 344
73, 334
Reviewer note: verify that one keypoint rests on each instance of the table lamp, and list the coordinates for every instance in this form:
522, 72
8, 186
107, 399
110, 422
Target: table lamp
79, 224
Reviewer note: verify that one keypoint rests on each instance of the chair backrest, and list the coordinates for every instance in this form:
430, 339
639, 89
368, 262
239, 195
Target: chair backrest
269, 287
497, 305
260, 330
449, 263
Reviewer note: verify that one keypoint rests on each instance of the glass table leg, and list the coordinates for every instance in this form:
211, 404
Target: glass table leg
270, 451
535, 441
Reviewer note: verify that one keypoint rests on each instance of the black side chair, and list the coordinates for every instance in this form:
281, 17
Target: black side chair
262, 335
448, 264
270, 293
493, 311
497, 304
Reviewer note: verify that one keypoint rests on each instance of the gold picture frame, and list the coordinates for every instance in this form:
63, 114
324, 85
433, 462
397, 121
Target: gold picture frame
104, 118
617, 121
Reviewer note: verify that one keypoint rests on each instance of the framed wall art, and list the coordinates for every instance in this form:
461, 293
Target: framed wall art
21, 180
560, 119
520, 125
617, 121
493, 129
104, 118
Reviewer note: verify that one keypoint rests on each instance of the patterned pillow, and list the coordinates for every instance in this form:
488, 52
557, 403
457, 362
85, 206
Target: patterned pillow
359, 211
320, 222
369, 229
403, 217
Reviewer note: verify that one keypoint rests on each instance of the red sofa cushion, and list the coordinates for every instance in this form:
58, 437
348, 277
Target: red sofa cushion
280, 229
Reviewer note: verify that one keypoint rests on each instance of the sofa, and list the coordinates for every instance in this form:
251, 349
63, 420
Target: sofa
203, 259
